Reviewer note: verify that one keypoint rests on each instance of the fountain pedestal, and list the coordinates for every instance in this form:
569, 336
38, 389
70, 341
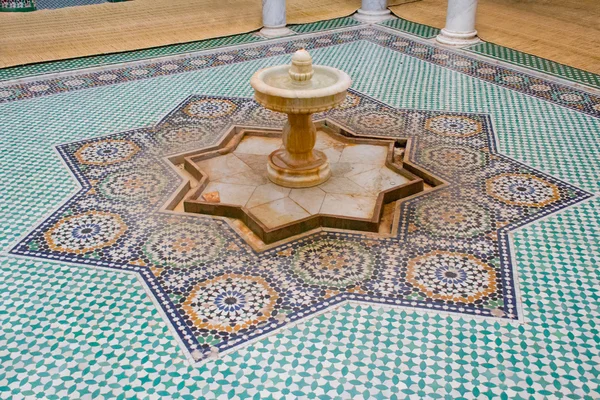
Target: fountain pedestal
299, 91
298, 164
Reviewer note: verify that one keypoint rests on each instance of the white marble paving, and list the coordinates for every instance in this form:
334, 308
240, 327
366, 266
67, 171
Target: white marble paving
359, 174
378, 180
220, 167
245, 178
258, 146
361, 153
267, 193
342, 185
348, 205
309, 198
279, 212
237, 195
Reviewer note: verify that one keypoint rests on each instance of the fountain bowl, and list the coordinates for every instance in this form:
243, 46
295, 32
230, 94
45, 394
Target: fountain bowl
277, 91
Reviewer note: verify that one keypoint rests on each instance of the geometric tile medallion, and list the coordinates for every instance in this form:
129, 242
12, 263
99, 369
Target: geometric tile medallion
449, 252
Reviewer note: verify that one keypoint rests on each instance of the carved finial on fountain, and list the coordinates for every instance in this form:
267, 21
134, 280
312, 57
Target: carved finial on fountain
301, 69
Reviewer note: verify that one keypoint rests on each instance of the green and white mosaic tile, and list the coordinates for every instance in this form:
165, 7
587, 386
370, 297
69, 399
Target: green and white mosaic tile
24, 71
536, 63
414, 28
70, 331
321, 26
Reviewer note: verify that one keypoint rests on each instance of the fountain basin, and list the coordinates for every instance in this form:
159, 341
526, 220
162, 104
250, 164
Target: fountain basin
277, 91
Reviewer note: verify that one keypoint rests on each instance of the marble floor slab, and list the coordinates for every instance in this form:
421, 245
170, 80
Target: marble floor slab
353, 196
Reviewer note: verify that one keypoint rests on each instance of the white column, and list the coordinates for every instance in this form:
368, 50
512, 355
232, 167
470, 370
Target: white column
460, 23
273, 18
372, 11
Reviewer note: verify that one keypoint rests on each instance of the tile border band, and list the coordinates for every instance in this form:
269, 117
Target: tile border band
558, 89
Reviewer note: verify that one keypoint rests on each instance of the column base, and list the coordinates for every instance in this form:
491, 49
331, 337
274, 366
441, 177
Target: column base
312, 174
273, 32
459, 39
372, 17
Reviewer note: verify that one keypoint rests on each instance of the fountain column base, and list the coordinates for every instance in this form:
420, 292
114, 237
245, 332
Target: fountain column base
303, 177
298, 164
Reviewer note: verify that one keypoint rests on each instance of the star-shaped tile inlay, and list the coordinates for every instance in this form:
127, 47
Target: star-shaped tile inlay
449, 250
367, 174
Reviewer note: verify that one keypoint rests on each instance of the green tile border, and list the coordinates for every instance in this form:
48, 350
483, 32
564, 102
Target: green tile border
320, 26
487, 49
26, 9
505, 54
24, 71
535, 63
420, 30
18, 6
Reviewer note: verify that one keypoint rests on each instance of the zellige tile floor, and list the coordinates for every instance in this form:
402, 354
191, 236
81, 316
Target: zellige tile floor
489, 289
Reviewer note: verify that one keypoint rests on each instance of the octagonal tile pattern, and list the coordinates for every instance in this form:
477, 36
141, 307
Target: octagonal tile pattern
450, 253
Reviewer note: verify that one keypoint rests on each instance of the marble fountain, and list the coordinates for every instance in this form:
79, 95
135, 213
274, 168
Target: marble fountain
273, 184
299, 91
